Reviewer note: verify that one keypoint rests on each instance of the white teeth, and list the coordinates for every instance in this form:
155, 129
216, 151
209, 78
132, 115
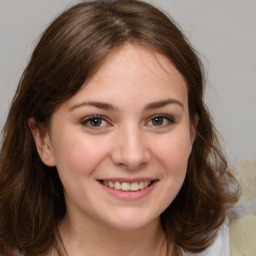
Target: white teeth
117, 185
134, 186
125, 186
110, 184
141, 185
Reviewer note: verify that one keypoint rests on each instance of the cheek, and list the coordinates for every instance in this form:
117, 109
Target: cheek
173, 152
172, 155
78, 155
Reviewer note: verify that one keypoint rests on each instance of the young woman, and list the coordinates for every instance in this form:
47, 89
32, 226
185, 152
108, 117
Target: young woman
108, 148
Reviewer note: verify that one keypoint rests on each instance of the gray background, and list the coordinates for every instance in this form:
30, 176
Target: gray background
223, 31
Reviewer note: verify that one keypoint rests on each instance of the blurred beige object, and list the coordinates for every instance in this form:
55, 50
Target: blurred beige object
243, 226
248, 178
243, 236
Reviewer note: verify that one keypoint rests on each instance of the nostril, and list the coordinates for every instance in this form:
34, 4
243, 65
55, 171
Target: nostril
130, 160
130, 149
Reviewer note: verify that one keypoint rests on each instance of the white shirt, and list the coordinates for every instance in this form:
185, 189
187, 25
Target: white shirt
220, 247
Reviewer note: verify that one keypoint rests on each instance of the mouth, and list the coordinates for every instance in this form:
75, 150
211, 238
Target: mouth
127, 186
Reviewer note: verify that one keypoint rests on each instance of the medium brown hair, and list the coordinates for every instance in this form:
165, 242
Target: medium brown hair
69, 52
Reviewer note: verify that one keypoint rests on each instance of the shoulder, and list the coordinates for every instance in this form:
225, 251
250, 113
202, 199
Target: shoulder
220, 246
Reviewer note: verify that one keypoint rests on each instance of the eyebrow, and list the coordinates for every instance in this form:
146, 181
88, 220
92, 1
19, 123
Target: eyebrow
163, 103
96, 104
108, 106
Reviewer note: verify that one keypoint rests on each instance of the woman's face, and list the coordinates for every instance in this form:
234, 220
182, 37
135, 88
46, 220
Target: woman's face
122, 143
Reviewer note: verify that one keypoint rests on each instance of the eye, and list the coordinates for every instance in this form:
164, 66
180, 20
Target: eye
95, 122
160, 120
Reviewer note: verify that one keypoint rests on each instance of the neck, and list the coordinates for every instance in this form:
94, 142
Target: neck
96, 238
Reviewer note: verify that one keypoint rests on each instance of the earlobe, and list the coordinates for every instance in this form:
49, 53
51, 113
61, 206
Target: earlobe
42, 142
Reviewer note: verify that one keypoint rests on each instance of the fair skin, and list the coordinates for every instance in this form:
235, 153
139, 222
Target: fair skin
121, 146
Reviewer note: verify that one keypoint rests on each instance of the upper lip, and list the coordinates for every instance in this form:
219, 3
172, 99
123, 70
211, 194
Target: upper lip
129, 180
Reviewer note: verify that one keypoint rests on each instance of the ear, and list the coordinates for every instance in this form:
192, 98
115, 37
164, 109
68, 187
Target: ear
194, 124
43, 142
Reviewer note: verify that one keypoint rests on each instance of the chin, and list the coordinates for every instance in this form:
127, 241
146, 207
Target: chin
132, 221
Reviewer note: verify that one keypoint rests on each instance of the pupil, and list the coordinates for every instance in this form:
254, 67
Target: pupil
95, 122
157, 121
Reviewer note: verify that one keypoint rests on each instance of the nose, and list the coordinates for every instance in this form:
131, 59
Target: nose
130, 149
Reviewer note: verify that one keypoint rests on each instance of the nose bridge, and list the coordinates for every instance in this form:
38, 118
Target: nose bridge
131, 148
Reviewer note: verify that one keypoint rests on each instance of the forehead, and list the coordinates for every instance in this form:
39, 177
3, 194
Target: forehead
134, 73
128, 58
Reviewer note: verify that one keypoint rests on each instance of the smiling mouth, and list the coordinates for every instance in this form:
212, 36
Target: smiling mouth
126, 186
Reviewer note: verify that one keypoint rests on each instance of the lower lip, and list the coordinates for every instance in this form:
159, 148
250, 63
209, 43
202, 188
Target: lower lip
129, 195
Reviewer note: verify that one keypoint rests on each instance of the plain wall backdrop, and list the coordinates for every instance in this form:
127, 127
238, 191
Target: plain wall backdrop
223, 32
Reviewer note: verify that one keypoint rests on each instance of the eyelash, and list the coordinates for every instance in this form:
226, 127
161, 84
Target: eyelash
162, 117
169, 119
86, 121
